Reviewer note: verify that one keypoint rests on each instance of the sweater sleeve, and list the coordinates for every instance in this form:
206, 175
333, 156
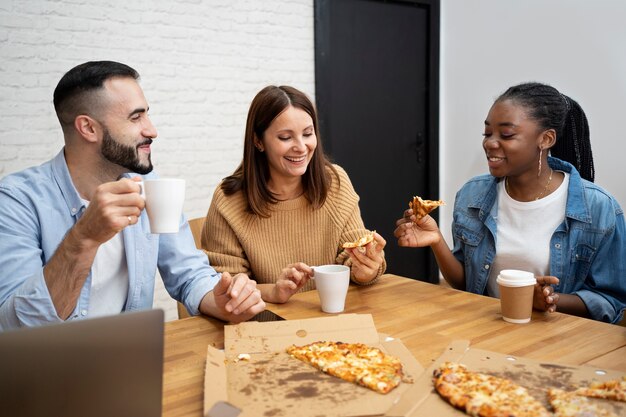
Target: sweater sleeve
345, 204
219, 240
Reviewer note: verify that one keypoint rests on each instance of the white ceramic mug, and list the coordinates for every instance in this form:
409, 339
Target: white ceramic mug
332, 283
164, 203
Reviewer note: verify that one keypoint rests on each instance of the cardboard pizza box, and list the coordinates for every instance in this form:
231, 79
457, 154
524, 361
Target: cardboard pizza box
421, 398
271, 383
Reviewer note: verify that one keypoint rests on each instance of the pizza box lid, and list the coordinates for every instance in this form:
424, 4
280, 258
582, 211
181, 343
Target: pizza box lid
421, 398
272, 384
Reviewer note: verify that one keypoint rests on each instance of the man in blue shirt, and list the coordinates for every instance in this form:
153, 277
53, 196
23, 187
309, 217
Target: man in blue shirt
75, 240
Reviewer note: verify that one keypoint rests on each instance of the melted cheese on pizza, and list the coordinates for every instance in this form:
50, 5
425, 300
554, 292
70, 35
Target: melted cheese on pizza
568, 404
353, 362
609, 390
367, 238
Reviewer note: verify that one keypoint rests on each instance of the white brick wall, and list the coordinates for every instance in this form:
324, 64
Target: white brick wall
201, 63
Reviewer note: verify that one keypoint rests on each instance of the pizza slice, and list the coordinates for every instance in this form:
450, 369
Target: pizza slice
422, 207
608, 390
484, 395
352, 362
569, 404
367, 238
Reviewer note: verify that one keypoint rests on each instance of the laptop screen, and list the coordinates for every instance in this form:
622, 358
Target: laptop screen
107, 366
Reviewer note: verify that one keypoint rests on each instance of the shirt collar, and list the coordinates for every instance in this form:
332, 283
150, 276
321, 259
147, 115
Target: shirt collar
484, 202
63, 179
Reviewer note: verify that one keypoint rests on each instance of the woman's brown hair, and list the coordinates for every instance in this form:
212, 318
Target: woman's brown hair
253, 174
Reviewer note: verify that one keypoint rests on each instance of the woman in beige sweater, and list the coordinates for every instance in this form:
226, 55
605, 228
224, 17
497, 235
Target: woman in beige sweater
286, 207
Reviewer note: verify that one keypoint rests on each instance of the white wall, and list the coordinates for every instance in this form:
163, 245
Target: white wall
201, 63
578, 46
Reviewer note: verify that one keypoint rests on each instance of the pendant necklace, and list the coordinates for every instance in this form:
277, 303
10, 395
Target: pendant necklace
543, 193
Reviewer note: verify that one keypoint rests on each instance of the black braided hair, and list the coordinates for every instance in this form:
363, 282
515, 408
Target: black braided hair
553, 110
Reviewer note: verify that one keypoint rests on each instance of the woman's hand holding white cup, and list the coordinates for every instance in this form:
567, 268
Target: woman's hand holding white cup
332, 282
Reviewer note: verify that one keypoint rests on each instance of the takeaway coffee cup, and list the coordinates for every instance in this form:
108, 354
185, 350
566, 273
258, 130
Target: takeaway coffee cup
516, 295
332, 283
164, 203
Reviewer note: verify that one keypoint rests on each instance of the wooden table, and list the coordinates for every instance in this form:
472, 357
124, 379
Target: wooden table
424, 316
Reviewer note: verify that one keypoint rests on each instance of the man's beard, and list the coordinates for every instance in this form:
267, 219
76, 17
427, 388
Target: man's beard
124, 155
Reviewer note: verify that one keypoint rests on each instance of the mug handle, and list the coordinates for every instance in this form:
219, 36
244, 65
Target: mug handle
142, 189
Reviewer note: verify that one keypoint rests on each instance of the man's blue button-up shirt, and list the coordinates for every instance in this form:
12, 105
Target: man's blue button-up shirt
38, 206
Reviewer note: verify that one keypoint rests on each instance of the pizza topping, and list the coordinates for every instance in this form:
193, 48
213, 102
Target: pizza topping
353, 362
422, 207
367, 238
484, 395
569, 404
608, 390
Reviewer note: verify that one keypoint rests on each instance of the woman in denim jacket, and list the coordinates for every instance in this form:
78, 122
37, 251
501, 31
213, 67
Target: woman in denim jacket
534, 212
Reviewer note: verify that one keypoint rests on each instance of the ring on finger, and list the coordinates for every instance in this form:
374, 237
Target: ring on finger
130, 220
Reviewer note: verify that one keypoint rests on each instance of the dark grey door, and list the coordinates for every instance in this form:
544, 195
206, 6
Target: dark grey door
376, 66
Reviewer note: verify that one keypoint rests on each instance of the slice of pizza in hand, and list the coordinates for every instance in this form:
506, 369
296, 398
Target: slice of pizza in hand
484, 395
422, 207
609, 390
367, 238
352, 362
569, 404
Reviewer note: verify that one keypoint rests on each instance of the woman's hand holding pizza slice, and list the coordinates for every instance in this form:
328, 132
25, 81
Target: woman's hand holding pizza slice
367, 256
416, 228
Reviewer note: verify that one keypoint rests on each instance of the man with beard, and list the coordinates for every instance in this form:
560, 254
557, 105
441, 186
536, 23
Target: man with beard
74, 240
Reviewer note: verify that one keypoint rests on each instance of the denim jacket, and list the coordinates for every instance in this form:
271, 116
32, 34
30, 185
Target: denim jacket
37, 208
587, 250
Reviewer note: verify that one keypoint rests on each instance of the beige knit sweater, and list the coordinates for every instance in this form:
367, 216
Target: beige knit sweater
238, 241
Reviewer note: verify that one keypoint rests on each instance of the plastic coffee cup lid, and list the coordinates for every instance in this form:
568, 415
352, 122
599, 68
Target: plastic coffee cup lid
515, 278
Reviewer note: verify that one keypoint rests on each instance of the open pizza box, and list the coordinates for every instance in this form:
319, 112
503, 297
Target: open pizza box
421, 398
272, 383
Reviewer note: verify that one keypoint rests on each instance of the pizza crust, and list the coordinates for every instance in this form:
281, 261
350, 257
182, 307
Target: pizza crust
367, 238
422, 207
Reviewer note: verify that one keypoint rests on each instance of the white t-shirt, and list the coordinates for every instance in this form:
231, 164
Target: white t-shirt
109, 278
524, 232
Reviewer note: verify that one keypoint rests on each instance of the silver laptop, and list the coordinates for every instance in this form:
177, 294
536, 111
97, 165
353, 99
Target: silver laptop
109, 366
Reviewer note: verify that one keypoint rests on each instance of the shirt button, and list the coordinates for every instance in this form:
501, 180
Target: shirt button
83, 312
557, 245
74, 210
487, 266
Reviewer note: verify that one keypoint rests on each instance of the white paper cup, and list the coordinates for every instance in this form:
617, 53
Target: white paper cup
332, 283
164, 203
516, 295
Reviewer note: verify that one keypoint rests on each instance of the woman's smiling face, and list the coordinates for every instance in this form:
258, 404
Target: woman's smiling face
289, 143
511, 140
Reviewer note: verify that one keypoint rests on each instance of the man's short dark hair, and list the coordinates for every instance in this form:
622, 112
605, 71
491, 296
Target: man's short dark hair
73, 93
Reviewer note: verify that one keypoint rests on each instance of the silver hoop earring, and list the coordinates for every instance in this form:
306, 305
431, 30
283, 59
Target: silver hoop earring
540, 155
